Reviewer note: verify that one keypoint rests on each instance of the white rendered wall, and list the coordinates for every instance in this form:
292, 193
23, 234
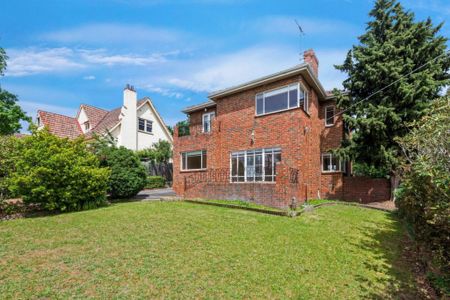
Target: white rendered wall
146, 140
128, 132
82, 118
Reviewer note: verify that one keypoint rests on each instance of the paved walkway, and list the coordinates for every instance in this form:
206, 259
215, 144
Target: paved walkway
155, 194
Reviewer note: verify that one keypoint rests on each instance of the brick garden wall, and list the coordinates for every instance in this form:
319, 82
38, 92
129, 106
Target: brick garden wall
365, 189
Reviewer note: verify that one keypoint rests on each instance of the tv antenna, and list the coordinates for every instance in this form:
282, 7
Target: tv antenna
302, 34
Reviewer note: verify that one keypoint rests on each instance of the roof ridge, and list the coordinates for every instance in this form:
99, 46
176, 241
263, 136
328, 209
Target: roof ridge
84, 104
53, 113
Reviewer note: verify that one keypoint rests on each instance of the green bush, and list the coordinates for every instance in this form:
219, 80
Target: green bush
424, 194
57, 173
8, 146
128, 175
154, 182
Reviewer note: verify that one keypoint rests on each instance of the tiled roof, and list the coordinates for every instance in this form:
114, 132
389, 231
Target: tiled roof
60, 125
94, 114
100, 120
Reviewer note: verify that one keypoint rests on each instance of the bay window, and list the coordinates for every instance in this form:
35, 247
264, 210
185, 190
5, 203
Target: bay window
193, 160
255, 165
332, 163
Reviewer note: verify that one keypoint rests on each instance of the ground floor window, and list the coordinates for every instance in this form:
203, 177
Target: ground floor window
194, 160
332, 163
257, 165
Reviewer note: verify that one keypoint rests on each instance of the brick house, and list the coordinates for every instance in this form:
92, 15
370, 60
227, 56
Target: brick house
135, 125
268, 141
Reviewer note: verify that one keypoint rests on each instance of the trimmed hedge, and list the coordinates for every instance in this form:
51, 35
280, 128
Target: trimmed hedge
155, 182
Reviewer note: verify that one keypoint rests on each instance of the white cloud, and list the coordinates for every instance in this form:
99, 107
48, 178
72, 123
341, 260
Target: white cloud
230, 69
163, 91
31, 61
89, 77
113, 33
102, 57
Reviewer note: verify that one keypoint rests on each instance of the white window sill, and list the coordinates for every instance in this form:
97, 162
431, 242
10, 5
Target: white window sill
329, 125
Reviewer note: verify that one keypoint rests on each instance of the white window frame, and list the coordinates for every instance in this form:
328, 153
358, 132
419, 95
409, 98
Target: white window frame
193, 152
286, 88
252, 152
87, 126
326, 118
145, 125
209, 116
341, 164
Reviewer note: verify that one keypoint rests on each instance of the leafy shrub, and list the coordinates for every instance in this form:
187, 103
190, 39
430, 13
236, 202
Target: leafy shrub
58, 173
128, 175
154, 182
160, 152
183, 128
424, 195
8, 146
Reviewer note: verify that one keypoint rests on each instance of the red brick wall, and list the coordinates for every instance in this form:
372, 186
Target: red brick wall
301, 136
365, 189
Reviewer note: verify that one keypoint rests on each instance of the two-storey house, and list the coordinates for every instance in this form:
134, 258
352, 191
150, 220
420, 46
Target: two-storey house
268, 140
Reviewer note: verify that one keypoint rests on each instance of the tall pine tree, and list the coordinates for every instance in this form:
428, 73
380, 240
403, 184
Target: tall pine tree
393, 46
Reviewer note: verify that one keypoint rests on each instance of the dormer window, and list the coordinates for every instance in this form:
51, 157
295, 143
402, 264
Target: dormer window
38, 121
145, 125
87, 126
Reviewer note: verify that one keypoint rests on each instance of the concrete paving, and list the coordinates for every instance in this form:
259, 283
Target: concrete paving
156, 194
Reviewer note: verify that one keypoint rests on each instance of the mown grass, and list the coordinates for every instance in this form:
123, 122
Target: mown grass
244, 204
182, 250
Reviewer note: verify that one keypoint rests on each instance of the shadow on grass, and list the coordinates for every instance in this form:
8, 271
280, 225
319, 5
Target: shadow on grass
389, 250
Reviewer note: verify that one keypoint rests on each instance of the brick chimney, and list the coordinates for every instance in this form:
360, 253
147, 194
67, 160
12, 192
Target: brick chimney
309, 57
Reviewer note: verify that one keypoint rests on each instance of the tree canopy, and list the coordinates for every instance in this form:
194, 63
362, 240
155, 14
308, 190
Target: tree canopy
10, 112
393, 74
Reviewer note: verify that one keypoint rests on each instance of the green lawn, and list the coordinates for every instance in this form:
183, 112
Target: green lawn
184, 250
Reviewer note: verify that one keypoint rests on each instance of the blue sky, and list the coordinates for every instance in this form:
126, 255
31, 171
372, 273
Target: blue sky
64, 53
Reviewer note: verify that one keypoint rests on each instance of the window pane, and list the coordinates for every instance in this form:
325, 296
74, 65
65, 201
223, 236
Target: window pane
149, 126
268, 167
233, 166
335, 163
326, 162
183, 158
241, 166
250, 167
259, 104
276, 102
329, 115
141, 124
204, 160
258, 167
194, 162
293, 98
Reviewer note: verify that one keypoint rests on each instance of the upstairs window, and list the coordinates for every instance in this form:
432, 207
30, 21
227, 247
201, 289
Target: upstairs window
304, 99
145, 125
255, 165
207, 121
87, 126
332, 163
194, 160
291, 96
329, 115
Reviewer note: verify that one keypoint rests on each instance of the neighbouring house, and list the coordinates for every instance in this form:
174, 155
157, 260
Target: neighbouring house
135, 125
269, 140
